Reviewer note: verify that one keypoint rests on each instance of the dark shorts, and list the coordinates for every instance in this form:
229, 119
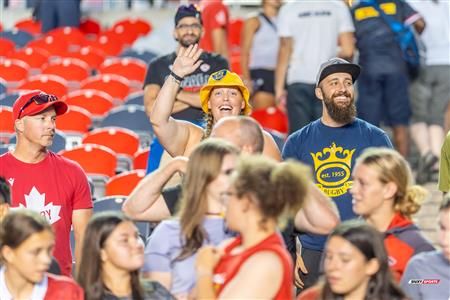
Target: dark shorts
383, 98
263, 80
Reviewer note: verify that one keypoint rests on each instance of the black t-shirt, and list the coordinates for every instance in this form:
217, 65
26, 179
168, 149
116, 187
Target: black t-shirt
153, 290
171, 196
159, 68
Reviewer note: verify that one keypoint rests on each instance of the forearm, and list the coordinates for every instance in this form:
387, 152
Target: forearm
179, 106
205, 287
148, 190
346, 45
189, 98
284, 54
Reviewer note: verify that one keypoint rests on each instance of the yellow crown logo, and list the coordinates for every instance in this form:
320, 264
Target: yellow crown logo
321, 160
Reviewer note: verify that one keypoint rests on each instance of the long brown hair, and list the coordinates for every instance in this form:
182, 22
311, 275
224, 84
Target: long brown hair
204, 166
369, 242
392, 167
90, 276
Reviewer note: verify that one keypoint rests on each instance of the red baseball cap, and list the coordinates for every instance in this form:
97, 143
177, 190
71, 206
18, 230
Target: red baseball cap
26, 106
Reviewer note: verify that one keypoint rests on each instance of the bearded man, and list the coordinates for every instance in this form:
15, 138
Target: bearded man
330, 146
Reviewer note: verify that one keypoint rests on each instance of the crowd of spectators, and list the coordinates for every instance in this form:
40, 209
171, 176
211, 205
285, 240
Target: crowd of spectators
327, 215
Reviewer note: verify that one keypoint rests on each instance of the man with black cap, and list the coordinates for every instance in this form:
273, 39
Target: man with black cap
43, 181
188, 31
330, 146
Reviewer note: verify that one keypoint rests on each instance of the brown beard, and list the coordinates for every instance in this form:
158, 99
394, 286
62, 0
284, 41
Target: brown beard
339, 113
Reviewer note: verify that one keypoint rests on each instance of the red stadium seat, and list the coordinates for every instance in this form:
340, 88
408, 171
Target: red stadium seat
77, 120
137, 25
140, 159
71, 35
120, 140
115, 85
14, 72
56, 47
90, 26
95, 160
98, 103
124, 183
71, 69
6, 124
93, 57
30, 26
271, 118
6, 47
34, 57
108, 42
51, 84
131, 68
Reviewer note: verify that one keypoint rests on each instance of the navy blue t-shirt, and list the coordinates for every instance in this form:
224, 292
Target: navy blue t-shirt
331, 153
379, 52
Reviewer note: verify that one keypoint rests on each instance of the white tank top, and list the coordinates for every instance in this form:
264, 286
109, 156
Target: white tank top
264, 52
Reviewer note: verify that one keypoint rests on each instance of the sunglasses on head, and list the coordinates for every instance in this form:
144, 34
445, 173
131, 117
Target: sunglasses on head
39, 99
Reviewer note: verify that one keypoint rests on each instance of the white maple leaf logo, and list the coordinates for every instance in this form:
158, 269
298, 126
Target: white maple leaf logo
36, 201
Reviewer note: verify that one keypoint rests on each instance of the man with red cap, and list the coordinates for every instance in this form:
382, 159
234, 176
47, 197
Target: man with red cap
43, 181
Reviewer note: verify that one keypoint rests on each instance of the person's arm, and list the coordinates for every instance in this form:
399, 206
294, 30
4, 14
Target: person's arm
251, 25
80, 219
150, 93
172, 134
189, 98
270, 147
145, 202
346, 42
220, 42
318, 215
284, 55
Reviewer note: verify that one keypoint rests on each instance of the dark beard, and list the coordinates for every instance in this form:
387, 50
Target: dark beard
187, 44
341, 114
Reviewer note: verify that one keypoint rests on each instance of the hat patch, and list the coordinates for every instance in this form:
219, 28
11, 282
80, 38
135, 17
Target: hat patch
219, 75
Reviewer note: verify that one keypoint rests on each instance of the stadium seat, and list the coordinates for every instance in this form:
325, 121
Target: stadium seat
54, 46
108, 43
90, 26
59, 141
93, 57
137, 25
51, 84
114, 203
34, 57
98, 103
14, 72
6, 47
19, 37
141, 158
121, 116
99, 163
272, 118
126, 36
132, 69
143, 55
73, 36
115, 85
6, 124
136, 98
2, 87
122, 141
124, 183
8, 99
30, 26
6, 148
71, 69
76, 121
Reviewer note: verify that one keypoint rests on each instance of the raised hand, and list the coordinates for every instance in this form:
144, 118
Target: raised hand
187, 60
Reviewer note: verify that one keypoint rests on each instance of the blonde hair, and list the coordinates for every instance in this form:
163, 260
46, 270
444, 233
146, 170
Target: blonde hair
278, 189
204, 166
392, 167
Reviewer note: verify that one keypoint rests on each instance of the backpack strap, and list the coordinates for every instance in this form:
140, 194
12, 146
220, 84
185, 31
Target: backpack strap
268, 20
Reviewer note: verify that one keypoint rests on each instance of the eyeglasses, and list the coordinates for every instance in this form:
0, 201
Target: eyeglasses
189, 26
39, 99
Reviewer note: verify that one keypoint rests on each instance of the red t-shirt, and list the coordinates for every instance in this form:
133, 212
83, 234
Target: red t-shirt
214, 15
53, 187
229, 264
61, 287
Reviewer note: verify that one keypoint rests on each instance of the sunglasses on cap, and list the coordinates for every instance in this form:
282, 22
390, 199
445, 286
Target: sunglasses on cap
39, 99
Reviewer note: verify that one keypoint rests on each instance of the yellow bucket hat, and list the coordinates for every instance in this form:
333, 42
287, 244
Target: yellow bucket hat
224, 78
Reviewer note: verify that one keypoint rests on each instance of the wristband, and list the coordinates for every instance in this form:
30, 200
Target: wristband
178, 78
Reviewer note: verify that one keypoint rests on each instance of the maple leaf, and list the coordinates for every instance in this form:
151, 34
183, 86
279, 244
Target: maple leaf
36, 201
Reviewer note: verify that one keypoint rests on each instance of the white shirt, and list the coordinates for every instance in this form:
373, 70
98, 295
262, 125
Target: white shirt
436, 35
38, 293
314, 26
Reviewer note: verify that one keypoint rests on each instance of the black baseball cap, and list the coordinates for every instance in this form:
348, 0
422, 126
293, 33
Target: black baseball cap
337, 65
187, 11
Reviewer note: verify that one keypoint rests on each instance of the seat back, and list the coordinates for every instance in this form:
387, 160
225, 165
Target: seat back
124, 183
50, 84
116, 86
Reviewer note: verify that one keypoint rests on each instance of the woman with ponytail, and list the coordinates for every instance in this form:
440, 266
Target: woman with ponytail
255, 265
384, 196
171, 249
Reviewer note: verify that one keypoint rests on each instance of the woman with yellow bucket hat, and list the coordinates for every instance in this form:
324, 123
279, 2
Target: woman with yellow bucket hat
224, 95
